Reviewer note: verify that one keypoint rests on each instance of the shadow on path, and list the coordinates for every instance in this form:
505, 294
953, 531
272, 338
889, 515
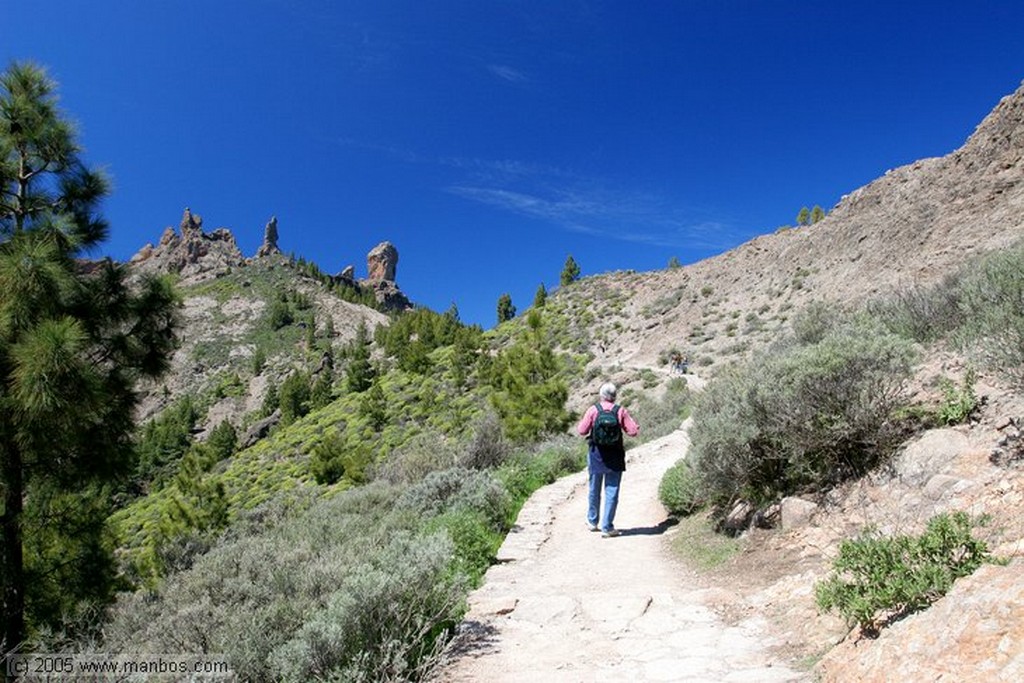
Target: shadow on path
661, 528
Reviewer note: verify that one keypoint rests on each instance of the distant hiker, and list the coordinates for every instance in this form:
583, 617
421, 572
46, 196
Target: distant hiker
603, 425
678, 363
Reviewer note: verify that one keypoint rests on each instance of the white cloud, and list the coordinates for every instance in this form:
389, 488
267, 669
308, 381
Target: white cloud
587, 207
508, 73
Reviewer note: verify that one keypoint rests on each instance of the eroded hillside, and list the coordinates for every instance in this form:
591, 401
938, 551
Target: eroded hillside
909, 228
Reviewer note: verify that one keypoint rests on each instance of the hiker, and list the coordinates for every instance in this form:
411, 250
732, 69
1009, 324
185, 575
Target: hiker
603, 425
677, 364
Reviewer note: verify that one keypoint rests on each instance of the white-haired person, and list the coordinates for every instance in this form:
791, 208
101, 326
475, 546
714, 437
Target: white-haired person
603, 424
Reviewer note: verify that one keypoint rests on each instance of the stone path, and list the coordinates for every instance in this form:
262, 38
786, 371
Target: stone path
564, 604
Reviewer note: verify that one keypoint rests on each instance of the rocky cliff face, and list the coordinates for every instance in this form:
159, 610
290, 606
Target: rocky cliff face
193, 254
382, 262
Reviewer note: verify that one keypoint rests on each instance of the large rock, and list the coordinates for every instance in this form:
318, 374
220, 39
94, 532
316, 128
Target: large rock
269, 246
974, 633
382, 262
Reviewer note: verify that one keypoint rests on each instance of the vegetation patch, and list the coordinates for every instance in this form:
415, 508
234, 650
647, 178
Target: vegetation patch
876, 579
696, 542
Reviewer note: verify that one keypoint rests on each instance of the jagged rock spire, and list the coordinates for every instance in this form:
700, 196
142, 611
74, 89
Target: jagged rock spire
269, 245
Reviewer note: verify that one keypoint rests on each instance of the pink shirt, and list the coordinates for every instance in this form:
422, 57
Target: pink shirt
629, 425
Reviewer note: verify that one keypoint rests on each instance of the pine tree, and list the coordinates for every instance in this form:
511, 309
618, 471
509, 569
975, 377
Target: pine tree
570, 272
359, 373
804, 217
529, 395
541, 297
294, 397
74, 339
506, 311
817, 213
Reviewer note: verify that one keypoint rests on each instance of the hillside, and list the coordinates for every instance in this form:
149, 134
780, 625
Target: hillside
907, 231
227, 300
909, 228
403, 456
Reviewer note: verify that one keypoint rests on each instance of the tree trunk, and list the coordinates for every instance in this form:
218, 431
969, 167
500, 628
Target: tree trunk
12, 561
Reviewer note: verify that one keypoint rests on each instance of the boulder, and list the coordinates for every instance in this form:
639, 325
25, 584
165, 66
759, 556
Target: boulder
796, 512
260, 430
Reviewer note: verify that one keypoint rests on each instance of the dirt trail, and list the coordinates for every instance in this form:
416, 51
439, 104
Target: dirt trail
564, 604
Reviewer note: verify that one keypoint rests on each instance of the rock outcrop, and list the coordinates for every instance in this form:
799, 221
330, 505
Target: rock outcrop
269, 246
382, 266
382, 262
193, 254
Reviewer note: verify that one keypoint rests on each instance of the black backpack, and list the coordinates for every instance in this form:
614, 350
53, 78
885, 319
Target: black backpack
606, 430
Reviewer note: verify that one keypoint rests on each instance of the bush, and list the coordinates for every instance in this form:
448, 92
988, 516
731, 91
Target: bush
992, 305
475, 538
386, 622
525, 472
801, 417
680, 490
457, 489
958, 403
414, 460
876, 580
664, 416
924, 314
487, 447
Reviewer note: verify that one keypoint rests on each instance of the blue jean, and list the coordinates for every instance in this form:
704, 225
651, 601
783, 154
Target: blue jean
610, 482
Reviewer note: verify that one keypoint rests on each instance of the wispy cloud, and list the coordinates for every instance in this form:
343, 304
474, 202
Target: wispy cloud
508, 73
573, 202
588, 206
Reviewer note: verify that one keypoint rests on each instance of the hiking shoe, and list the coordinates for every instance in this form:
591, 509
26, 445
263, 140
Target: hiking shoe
611, 533
592, 527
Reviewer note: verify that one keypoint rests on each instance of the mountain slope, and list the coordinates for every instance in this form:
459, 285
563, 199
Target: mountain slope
910, 227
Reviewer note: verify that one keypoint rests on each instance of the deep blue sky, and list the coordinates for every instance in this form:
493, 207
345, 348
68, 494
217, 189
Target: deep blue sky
489, 139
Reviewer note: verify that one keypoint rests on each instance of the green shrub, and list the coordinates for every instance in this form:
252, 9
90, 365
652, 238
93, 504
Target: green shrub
475, 538
680, 490
924, 314
958, 403
801, 416
417, 458
876, 580
386, 622
527, 471
660, 417
487, 447
992, 305
457, 489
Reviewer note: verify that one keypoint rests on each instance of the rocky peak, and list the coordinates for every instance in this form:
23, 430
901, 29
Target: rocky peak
193, 254
382, 262
269, 245
191, 226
